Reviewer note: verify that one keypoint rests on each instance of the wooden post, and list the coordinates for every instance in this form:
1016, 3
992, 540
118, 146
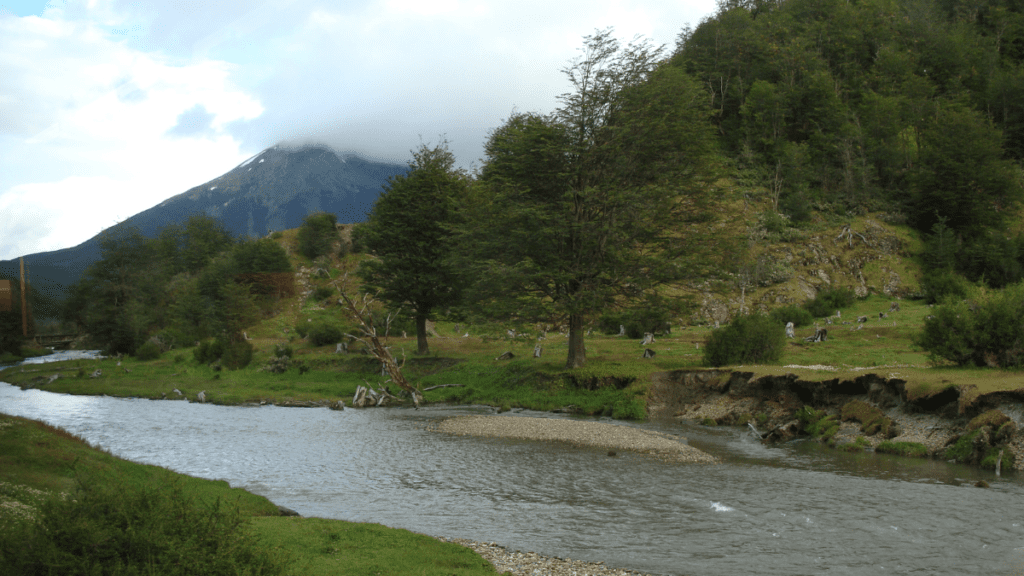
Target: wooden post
24, 302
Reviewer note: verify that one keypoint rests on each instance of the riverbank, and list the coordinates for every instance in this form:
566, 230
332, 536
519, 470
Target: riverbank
867, 411
34, 468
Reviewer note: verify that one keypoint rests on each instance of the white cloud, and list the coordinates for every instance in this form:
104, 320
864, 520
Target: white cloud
103, 116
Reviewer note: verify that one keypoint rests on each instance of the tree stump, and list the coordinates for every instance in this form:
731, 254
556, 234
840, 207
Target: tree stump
789, 330
507, 355
537, 351
648, 339
648, 353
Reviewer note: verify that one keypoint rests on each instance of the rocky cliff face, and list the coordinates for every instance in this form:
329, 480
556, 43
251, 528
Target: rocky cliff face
866, 255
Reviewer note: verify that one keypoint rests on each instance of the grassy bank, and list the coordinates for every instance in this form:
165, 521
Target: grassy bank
66, 498
615, 382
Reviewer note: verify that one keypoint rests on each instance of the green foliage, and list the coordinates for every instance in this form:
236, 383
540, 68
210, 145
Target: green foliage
209, 351
322, 293
410, 233
872, 420
963, 449
323, 334
753, 339
944, 284
148, 351
985, 330
110, 526
910, 449
317, 234
237, 355
990, 458
829, 300
992, 418
799, 316
637, 322
564, 202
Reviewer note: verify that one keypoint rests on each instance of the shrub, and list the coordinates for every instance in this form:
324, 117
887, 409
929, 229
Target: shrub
283, 351
992, 418
148, 351
316, 234
209, 351
912, 449
797, 315
322, 293
109, 526
986, 330
829, 300
302, 329
636, 322
963, 450
237, 355
753, 339
990, 458
324, 334
940, 285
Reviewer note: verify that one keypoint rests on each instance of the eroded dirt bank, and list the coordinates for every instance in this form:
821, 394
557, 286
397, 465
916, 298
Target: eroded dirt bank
987, 423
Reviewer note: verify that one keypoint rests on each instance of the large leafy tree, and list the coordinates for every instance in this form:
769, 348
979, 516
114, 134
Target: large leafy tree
580, 208
409, 232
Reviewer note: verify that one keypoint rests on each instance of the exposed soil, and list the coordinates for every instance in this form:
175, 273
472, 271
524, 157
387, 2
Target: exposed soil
769, 402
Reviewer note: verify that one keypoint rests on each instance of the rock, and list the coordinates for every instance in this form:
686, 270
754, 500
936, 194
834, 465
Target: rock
783, 433
178, 392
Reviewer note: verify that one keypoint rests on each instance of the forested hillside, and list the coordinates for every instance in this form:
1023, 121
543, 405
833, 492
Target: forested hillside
906, 107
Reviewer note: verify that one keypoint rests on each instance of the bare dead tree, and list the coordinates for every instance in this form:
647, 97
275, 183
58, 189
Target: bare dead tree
372, 339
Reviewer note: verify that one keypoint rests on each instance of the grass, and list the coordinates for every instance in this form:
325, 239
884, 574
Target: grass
39, 466
911, 449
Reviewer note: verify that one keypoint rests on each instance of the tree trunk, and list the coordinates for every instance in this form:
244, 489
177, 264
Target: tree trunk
421, 334
577, 353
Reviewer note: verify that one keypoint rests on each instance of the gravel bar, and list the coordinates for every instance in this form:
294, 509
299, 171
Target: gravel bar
579, 433
506, 561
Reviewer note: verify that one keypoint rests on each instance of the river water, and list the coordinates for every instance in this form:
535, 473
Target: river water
789, 510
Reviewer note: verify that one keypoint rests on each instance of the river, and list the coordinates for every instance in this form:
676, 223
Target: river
792, 509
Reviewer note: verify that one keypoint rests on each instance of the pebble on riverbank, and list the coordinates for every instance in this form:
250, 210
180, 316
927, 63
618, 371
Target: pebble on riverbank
594, 434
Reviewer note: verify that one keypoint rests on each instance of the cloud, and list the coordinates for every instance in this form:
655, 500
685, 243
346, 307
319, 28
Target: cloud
97, 129
130, 102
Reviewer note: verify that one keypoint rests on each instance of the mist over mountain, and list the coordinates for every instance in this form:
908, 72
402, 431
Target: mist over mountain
273, 190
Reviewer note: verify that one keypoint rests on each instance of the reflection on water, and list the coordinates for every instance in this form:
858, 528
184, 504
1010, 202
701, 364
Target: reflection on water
788, 510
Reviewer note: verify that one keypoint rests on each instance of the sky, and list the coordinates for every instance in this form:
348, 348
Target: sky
109, 107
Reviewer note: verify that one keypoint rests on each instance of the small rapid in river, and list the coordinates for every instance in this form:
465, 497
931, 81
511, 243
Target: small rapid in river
791, 509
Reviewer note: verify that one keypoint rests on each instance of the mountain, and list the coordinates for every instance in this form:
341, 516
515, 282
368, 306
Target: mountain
273, 190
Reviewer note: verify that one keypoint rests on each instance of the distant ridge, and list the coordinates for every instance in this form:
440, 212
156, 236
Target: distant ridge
273, 190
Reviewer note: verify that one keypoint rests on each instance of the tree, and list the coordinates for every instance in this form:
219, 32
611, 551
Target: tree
317, 234
409, 233
580, 208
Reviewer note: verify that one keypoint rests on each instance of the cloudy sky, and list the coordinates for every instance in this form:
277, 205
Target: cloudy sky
108, 107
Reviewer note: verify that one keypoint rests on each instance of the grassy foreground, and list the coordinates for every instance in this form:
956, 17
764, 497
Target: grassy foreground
45, 471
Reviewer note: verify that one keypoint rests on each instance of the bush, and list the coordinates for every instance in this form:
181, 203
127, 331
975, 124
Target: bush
317, 234
108, 526
940, 285
636, 322
986, 330
754, 339
324, 334
209, 351
829, 300
237, 355
148, 351
322, 293
302, 329
795, 314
